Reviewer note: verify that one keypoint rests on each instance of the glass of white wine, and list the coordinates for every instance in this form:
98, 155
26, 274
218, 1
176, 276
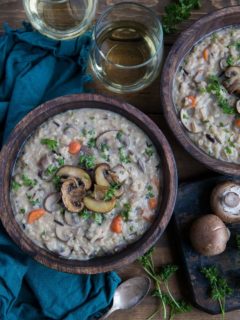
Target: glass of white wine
60, 19
127, 47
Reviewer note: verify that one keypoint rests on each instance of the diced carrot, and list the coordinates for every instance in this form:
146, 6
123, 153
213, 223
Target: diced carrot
74, 147
152, 203
205, 54
193, 100
237, 123
35, 215
116, 225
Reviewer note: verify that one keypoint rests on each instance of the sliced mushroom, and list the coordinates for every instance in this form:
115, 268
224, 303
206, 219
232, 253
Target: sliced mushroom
186, 115
72, 195
43, 163
59, 248
100, 206
109, 138
233, 84
223, 64
225, 201
106, 138
76, 172
99, 192
51, 202
72, 219
209, 235
238, 106
63, 233
141, 165
104, 176
199, 76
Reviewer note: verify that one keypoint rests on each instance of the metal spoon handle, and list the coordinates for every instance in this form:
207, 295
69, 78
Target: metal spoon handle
106, 315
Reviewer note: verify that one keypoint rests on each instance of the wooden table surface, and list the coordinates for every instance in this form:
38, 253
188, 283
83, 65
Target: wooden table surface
148, 100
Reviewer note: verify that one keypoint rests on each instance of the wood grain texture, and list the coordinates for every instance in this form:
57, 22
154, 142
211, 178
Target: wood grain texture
11, 11
26, 127
209, 23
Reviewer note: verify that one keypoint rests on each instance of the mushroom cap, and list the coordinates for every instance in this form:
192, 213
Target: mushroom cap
209, 235
225, 201
72, 195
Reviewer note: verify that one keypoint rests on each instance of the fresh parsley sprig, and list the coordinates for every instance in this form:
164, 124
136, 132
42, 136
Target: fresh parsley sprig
178, 12
218, 286
161, 279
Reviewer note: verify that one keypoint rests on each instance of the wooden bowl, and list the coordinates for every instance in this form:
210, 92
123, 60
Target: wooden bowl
209, 23
102, 264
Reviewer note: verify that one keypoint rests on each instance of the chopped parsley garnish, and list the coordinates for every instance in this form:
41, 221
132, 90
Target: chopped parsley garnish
22, 210
27, 182
119, 135
126, 210
85, 214
230, 61
237, 44
32, 201
221, 124
51, 170
231, 144
60, 161
185, 116
50, 143
15, 185
123, 157
87, 161
104, 147
228, 150
111, 191
214, 87
98, 217
149, 151
56, 180
150, 193
92, 143
91, 132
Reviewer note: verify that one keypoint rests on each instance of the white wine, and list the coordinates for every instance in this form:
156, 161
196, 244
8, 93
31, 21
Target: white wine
127, 57
60, 19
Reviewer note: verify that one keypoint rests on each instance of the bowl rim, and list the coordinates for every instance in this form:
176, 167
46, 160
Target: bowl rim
166, 84
14, 144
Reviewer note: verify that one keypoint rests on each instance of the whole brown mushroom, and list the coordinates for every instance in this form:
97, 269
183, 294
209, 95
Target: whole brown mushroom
225, 201
209, 235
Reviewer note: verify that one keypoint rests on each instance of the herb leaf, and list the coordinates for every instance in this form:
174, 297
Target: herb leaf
125, 211
87, 161
218, 286
50, 143
214, 87
92, 143
15, 185
111, 191
123, 157
178, 12
27, 182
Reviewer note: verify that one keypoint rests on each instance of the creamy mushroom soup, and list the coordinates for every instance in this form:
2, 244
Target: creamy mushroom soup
206, 94
86, 184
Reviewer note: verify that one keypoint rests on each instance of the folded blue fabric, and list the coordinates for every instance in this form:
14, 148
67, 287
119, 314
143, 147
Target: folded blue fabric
34, 69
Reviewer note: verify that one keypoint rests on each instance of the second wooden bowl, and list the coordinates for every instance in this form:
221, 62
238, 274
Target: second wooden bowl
208, 24
27, 126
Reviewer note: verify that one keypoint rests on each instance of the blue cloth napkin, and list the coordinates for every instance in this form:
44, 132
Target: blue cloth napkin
34, 69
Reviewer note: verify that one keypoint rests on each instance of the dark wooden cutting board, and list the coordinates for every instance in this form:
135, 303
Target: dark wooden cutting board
194, 200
